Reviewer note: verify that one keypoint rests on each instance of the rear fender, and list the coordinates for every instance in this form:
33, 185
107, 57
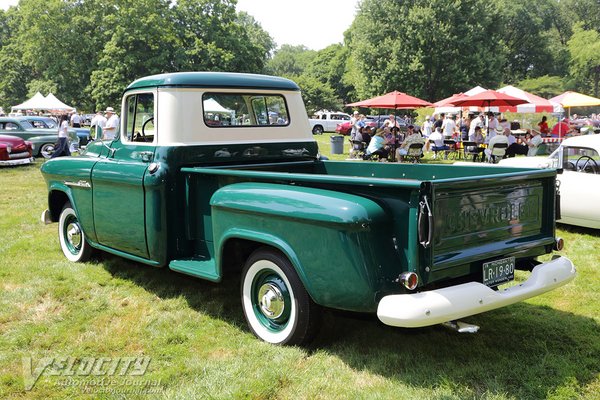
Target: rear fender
336, 241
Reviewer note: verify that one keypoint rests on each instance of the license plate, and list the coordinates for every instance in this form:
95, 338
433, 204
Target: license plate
498, 271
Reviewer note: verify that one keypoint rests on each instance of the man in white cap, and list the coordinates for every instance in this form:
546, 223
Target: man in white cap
112, 124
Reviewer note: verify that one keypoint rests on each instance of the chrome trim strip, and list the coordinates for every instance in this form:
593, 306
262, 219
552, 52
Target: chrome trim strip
80, 183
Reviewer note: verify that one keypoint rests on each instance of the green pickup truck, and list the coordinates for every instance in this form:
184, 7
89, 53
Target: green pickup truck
216, 174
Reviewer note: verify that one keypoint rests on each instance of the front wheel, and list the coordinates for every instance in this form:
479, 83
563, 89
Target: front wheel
277, 307
47, 150
72, 239
317, 130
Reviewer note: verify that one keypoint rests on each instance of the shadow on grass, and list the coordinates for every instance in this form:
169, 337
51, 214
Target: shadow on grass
523, 351
579, 230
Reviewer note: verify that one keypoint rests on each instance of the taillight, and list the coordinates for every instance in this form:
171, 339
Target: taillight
559, 244
409, 280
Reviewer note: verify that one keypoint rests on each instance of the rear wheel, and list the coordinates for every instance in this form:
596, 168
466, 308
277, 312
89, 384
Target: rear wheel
277, 307
72, 239
317, 130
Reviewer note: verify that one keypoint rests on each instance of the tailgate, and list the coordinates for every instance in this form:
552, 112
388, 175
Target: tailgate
474, 220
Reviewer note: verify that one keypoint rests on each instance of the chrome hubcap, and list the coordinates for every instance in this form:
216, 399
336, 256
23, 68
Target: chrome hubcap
74, 235
271, 301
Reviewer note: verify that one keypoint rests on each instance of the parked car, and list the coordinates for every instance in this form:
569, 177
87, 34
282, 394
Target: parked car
326, 121
42, 140
579, 157
14, 151
48, 123
345, 127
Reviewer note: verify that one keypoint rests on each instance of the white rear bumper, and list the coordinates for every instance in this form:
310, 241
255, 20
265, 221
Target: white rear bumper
447, 304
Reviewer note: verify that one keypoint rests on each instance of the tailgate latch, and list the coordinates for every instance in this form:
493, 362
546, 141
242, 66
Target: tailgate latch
425, 223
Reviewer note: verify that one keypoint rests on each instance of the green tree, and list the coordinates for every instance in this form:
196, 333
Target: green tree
290, 60
133, 50
545, 86
317, 96
42, 86
59, 44
584, 47
438, 48
330, 66
527, 36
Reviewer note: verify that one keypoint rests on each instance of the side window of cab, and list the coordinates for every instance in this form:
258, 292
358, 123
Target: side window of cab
139, 123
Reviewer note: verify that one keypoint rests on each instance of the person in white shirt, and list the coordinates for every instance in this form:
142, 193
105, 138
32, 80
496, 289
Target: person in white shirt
534, 143
63, 138
476, 122
449, 126
391, 122
354, 128
98, 123
427, 127
112, 124
75, 120
436, 142
492, 124
493, 141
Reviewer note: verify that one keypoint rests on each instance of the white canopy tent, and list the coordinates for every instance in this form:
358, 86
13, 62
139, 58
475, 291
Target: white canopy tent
211, 105
52, 103
39, 102
36, 102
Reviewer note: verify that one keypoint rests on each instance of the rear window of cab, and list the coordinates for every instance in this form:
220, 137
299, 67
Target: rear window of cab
235, 110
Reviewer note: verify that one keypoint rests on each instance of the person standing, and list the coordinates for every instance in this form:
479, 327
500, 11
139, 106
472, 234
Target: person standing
427, 127
62, 149
476, 122
353, 127
439, 122
492, 125
75, 120
449, 126
97, 124
112, 124
543, 125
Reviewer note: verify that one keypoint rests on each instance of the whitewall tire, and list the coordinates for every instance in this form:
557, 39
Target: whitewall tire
276, 306
72, 238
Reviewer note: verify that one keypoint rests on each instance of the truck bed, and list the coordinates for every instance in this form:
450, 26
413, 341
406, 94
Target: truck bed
443, 220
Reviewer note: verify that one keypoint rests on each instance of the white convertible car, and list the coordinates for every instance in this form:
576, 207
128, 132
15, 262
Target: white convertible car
579, 157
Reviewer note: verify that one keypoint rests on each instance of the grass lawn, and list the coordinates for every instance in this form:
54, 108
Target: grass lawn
199, 346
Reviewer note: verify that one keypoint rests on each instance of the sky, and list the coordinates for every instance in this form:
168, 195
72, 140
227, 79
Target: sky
313, 23
4, 4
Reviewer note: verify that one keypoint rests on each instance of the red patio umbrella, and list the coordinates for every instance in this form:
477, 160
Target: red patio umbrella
393, 100
487, 99
448, 101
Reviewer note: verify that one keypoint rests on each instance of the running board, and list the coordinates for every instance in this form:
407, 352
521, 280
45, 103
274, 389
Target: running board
201, 268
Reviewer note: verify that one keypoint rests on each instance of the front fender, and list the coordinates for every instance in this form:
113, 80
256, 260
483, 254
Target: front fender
335, 240
71, 176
